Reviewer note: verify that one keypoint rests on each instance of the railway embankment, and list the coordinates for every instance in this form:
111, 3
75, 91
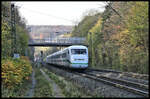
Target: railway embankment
92, 86
44, 83
55, 88
68, 88
30, 93
42, 87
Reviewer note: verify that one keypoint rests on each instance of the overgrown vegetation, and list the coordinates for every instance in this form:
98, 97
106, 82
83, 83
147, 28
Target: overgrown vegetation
118, 37
15, 72
68, 89
43, 88
18, 91
22, 36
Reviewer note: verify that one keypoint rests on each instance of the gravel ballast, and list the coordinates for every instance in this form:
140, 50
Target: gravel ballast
94, 87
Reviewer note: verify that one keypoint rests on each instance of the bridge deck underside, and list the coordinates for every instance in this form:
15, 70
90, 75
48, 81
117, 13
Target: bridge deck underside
57, 41
55, 44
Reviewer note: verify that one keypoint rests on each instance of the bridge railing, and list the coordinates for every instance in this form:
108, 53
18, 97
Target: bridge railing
73, 40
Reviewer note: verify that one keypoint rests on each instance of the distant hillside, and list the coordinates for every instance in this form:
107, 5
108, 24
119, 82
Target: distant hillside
46, 31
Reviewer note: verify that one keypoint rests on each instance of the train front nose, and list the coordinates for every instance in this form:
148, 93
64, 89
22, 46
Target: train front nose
79, 61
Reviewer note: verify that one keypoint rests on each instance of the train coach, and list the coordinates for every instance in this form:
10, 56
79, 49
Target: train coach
74, 57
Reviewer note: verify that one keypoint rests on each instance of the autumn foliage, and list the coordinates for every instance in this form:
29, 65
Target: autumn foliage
118, 37
15, 71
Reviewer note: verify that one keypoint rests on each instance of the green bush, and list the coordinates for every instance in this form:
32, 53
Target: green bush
15, 71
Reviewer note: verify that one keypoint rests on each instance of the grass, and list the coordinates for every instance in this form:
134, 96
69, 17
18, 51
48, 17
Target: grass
18, 91
68, 89
43, 88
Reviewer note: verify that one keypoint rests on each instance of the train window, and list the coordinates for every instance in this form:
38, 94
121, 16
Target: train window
78, 51
57, 56
64, 55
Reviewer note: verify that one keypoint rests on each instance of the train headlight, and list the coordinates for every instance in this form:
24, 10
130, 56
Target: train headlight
72, 59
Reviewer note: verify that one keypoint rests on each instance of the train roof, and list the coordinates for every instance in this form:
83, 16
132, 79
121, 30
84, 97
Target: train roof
77, 46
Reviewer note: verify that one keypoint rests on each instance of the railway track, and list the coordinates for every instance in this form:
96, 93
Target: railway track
103, 70
128, 74
134, 87
133, 77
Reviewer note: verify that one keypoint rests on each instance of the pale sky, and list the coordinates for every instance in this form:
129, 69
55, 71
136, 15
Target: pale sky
56, 13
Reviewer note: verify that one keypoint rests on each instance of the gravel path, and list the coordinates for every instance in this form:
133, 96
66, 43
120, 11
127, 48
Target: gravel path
56, 90
30, 93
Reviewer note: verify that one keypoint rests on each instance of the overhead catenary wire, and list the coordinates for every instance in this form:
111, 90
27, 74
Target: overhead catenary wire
46, 14
41, 13
109, 5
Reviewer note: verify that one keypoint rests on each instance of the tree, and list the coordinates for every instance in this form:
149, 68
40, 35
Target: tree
133, 39
94, 39
21, 31
88, 21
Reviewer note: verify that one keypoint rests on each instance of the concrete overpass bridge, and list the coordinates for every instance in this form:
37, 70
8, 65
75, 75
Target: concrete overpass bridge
58, 42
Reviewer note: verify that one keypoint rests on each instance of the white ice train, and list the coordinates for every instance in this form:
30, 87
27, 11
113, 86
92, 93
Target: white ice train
75, 57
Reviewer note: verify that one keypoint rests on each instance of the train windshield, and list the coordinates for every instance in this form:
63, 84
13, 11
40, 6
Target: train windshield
78, 51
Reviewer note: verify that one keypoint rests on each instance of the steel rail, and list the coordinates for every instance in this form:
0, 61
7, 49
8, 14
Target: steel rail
111, 81
135, 84
103, 70
131, 89
146, 82
130, 74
